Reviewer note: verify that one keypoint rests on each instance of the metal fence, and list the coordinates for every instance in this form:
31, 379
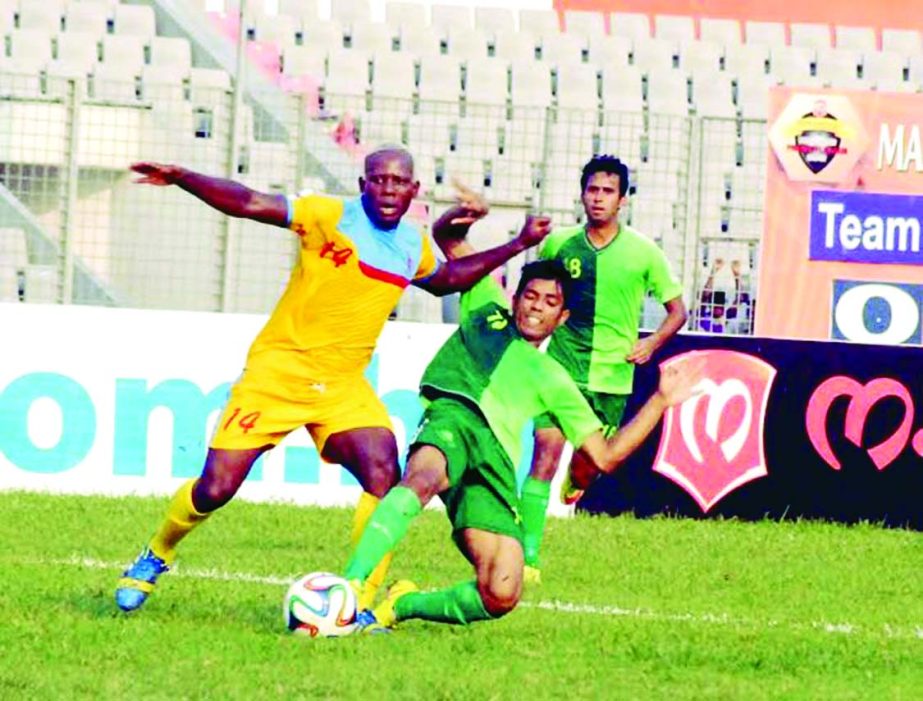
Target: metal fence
75, 229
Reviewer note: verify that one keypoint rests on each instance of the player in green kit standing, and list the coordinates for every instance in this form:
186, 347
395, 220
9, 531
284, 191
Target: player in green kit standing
613, 267
482, 387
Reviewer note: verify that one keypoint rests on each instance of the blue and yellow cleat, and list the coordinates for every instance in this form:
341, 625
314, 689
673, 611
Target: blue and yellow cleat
367, 623
138, 581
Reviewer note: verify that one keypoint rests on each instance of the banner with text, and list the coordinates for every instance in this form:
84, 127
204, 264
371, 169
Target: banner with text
782, 429
120, 401
841, 254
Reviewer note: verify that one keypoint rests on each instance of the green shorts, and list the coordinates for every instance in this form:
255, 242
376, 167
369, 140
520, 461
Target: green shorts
609, 408
482, 489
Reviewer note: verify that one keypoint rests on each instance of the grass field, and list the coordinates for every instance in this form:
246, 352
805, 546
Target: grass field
630, 609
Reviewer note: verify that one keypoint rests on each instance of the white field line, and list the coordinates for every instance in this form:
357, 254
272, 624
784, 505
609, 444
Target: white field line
845, 628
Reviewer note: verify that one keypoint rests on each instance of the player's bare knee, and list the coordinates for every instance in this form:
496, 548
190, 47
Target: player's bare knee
500, 596
213, 492
549, 444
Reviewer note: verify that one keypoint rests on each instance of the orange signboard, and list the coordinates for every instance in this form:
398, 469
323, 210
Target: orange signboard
841, 255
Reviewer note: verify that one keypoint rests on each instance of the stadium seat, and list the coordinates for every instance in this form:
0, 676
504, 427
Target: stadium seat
651, 55
135, 20
305, 11
467, 43
754, 143
419, 41
7, 16
561, 49
721, 31
515, 47
883, 67
30, 51
746, 59
77, 51
486, 81
810, 35
440, 79
281, 30
916, 70
462, 166
87, 18
719, 136
712, 95
162, 86
668, 137
701, 56
675, 28
907, 42
170, 51
393, 75
444, 17
494, 20
631, 25
856, 38
609, 51
791, 64
379, 127
348, 11
43, 17
753, 95
323, 35
115, 81
539, 23
621, 135
347, 80
530, 85
766, 33
839, 68
511, 180
587, 24
525, 137
304, 60
479, 135
622, 89
667, 92
400, 15
578, 87
371, 37
430, 134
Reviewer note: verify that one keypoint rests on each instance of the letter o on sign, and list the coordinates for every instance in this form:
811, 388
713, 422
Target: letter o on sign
875, 313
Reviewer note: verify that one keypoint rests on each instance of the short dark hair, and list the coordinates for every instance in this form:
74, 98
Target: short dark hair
547, 270
604, 163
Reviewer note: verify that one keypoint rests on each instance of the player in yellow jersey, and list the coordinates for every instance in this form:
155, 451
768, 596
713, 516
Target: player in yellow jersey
306, 366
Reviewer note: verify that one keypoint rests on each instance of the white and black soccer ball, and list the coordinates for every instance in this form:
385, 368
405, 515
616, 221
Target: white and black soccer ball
320, 605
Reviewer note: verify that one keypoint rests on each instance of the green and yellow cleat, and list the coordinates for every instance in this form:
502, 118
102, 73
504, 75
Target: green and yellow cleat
382, 618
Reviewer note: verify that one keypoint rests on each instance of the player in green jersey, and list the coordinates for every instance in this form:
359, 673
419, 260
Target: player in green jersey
613, 267
482, 387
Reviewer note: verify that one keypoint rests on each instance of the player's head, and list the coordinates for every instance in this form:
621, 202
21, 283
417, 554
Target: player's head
603, 186
541, 301
388, 185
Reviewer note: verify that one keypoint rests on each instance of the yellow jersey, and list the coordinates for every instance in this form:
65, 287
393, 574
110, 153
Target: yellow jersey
348, 278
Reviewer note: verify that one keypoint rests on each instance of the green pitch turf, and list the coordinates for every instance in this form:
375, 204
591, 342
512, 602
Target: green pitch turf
629, 609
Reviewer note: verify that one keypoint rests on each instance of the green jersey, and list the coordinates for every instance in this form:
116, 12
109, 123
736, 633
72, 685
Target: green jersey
609, 288
488, 365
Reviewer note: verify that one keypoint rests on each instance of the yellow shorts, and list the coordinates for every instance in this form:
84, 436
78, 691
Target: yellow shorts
262, 409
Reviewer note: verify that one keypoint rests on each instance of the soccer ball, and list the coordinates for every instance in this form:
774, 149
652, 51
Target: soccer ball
320, 604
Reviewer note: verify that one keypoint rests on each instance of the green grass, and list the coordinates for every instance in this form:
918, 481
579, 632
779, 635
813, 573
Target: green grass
658, 609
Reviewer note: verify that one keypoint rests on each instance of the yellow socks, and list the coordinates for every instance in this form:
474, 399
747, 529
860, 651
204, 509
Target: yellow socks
364, 510
181, 517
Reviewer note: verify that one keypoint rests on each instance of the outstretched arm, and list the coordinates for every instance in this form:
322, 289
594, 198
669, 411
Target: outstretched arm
228, 196
677, 384
459, 274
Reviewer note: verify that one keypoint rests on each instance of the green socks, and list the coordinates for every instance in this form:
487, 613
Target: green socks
384, 530
459, 604
533, 503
